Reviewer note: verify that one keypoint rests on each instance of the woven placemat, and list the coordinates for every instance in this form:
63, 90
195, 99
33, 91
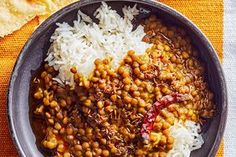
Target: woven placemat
199, 11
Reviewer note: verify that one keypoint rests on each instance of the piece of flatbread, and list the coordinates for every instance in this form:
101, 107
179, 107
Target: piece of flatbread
15, 13
52, 6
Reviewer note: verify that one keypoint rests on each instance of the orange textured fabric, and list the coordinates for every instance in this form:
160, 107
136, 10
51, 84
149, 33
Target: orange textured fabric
10, 47
199, 11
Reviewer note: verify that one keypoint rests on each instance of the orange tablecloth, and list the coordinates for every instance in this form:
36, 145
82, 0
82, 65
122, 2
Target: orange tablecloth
207, 14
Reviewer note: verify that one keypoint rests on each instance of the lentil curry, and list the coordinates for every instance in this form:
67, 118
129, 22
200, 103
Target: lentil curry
104, 115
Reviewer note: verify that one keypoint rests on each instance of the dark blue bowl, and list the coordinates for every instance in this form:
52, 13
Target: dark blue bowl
33, 53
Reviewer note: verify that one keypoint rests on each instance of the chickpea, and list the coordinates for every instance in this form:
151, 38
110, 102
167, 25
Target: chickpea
43, 74
46, 101
88, 154
132, 136
57, 126
128, 59
59, 115
78, 147
100, 104
162, 154
170, 140
78, 153
89, 130
156, 154
137, 71
95, 144
170, 120
137, 82
61, 148
73, 70
173, 59
88, 103
52, 143
153, 138
69, 130
166, 48
160, 47
144, 67
103, 141
131, 52
127, 87
104, 74
70, 137
141, 76
144, 96
163, 140
134, 101
150, 88
125, 74
127, 80
157, 126
169, 146
121, 70
98, 62
185, 55
194, 93
105, 153
141, 110
114, 150
51, 121
135, 64
98, 151
133, 88
102, 85
66, 154
85, 145
139, 152
166, 125
136, 94
141, 103
65, 120
127, 99
114, 98
81, 132
182, 117
95, 79
63, 103
39, 94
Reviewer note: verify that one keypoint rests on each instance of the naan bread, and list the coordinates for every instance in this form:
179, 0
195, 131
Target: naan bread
15, 13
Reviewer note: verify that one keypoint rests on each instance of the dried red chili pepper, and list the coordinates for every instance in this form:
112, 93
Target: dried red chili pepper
151, 115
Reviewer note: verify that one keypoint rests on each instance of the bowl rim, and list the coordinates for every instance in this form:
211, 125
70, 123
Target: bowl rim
174, 13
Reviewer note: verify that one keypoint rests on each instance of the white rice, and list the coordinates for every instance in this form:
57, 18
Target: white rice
187, 138
79, 45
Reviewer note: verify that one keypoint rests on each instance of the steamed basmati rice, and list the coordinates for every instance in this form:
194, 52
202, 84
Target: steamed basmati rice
79, 45
187, 138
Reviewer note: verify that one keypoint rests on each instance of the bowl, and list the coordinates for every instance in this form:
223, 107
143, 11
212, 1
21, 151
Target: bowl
34, 51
